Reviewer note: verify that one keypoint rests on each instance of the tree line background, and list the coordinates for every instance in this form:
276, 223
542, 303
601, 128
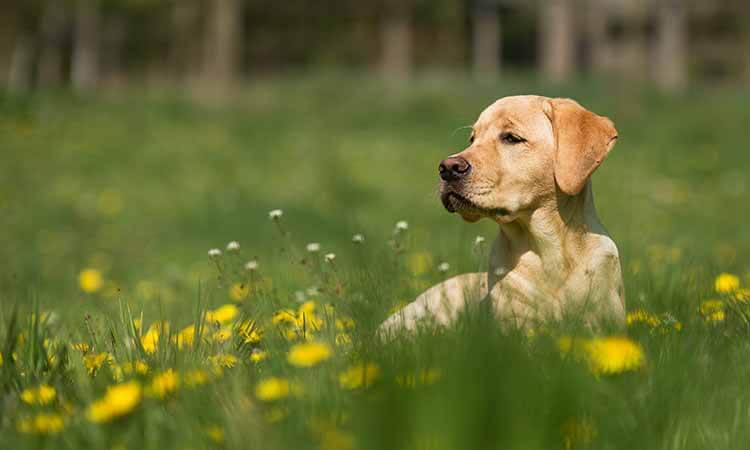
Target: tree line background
89, 44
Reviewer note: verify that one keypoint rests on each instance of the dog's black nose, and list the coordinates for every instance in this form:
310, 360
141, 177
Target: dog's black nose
454, 168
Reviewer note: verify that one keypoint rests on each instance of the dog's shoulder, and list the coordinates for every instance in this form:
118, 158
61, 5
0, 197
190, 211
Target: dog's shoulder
601, 247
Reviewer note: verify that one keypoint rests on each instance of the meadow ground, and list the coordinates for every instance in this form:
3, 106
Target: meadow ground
118, 331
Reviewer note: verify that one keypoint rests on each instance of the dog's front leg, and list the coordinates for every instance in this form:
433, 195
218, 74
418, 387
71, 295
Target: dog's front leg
440, 303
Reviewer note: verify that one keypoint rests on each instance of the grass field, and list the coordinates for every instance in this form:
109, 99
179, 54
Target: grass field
109, 206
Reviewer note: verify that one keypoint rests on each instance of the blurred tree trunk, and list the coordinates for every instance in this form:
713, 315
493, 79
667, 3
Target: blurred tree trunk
486, 39
22, 30
182, 51
84, 70
222, 47
557, 39
21, 73
596, 35
114, 35
51, 58
7, 32
396, 36
670, 45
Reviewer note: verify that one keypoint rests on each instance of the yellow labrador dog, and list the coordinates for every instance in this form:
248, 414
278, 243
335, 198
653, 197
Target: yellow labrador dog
527, 168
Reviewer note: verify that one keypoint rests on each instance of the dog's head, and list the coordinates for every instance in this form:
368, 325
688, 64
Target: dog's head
522, 151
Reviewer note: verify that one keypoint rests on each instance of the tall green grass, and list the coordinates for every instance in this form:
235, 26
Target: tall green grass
138, 186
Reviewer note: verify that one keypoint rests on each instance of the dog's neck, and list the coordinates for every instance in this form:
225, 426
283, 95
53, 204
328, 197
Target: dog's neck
553, 236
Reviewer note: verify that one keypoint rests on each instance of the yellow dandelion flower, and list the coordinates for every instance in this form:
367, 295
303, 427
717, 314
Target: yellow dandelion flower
93, 362
46, 394
164, 384
642, 316
222, 314
284, 316
150, 341
307, 318
81, 347
713, 311
28, 396
129, 368
42, 395
185, 337
741, 295
273, 388
239, 291
307, 307
344, 323
223, 334
361, 375
42, 423
1, 360
726, 283
118, 401
611, 355
343, 339
250, 332
308, 354
195, 378
223, 361
216, 434
258, 356
90, 280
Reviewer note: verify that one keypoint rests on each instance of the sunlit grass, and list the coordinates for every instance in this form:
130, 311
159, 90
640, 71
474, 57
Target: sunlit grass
178, 276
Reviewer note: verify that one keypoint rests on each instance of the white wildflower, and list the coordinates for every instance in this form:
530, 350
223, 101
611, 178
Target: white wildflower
444, 267
275, 214
312, 291
214, 253
358, 238
233, 246
251, 266
401, 227
299, 296
479, 240
329, 257
313, 247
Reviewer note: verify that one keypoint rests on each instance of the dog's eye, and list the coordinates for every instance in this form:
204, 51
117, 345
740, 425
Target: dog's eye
510, 138
471, 139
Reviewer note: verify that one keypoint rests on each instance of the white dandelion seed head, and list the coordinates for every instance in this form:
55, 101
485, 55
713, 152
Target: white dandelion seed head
358, 238
444, 267
313, 247
275, 214
402, 225
233, 246
479, 240
299, 296
214, 253
251, 266
329, 257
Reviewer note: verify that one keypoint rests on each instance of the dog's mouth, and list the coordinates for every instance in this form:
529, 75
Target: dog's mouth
455, 202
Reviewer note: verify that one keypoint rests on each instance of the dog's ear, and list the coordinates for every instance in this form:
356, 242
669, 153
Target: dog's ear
583, 139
